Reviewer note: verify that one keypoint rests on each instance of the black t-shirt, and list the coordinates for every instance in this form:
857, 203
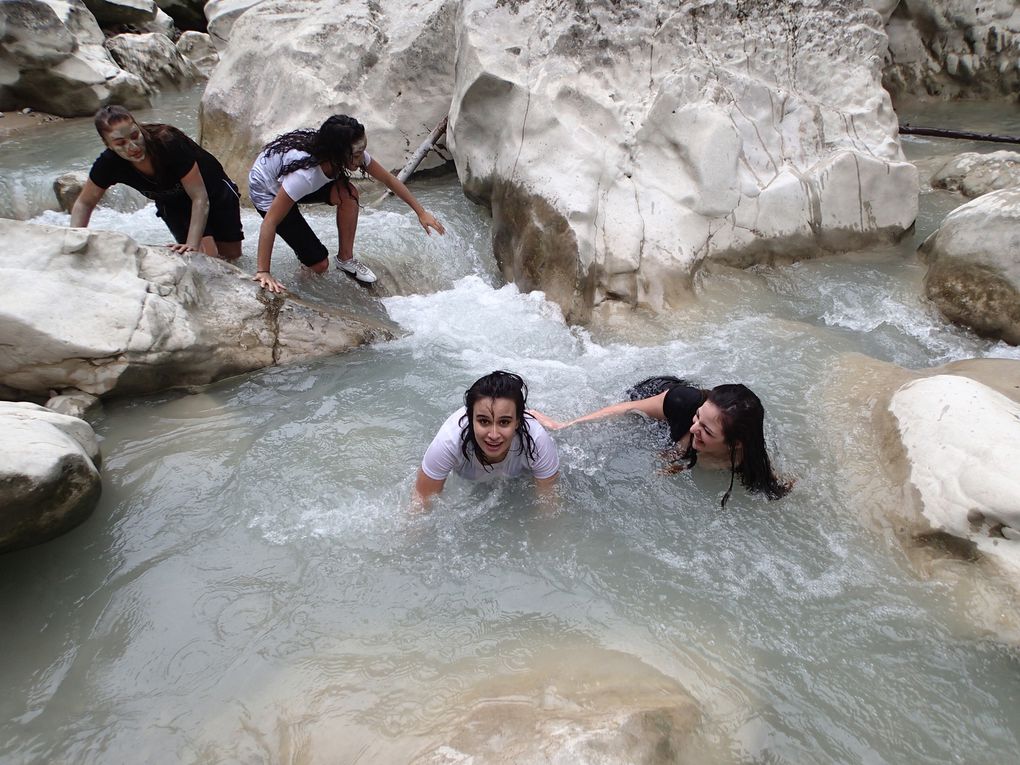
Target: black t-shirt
177, 154
679, 406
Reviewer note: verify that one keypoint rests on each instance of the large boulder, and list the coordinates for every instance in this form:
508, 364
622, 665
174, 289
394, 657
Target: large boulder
220, 17
974, 174
387, 63
155, 59
52, 59
620, 145
94, 311
954, 48
198, 48
187, 14
928, 457
974, 265
114, 12
49, 474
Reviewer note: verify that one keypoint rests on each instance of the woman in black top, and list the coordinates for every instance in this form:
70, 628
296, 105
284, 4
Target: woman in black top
193, 195
724, 427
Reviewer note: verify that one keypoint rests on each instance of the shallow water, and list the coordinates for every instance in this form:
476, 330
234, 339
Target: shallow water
254, 588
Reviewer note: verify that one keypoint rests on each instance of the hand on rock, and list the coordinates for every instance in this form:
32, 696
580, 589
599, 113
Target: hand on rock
182, 248
266, 281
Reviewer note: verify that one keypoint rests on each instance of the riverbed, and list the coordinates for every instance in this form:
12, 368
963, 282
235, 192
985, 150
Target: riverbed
254, 587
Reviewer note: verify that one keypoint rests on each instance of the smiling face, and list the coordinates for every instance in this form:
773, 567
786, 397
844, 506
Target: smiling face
494, 422
126, 140
707, 434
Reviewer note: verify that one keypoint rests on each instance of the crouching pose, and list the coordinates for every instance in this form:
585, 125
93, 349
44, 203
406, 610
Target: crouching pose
314, 166
490, 436
193, 195
722, 428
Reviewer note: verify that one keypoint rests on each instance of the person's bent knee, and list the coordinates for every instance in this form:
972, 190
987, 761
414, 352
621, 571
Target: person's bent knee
321, 267
342, 193
229, 250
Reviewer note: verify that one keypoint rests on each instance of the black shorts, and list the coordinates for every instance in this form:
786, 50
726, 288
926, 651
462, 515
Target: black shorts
296, 232
224, 222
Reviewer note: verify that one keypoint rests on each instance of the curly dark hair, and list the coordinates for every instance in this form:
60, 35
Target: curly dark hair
333, 142
496, 384
157, 136
743, 419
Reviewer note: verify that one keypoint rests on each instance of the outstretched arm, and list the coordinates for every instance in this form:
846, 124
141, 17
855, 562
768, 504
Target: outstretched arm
394, 184
81, 210
652, 407
267, 237
194, 185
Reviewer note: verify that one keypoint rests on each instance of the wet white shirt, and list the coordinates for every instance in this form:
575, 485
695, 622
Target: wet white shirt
264, 181
444, 455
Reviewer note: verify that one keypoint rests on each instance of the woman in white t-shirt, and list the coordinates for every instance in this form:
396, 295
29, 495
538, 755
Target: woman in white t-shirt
315, 166
490, 436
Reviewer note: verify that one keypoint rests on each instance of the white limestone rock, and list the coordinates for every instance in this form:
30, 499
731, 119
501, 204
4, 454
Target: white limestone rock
187, 14
974, 265
962, 442
387, 63
974, 174
161, 24
198, 48
94, 311
49, 474
621, 147
52, 59
113, 12
954, 48
220, 17
155, 59
73, 403
67, 188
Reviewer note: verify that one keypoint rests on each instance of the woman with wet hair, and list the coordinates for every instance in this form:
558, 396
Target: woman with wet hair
722, 427
194, 197
490, 436
314, 166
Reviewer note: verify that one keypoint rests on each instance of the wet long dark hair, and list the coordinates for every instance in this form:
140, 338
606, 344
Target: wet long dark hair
333, 142
496, 384
743, 420
157, 136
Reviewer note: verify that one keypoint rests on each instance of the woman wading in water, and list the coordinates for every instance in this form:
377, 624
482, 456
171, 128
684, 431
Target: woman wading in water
722, 427
490, 436
194, 197
314, 166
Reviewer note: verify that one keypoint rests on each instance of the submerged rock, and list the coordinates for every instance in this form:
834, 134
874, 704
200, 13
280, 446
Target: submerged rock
974, 265
387, 63
95, 311
974, 174
155, 59
953, 48
53, 60
49, 474
620, 145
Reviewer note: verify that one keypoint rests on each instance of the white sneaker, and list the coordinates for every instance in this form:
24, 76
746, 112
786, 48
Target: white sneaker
357, 269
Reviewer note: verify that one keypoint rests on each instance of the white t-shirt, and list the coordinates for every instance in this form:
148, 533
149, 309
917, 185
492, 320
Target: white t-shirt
264, 180
444, 455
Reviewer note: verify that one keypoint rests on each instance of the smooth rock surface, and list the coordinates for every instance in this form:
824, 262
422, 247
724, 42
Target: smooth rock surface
622, 146
154, 58
954, 48
387, 63
49, 475
52, 59
974, 265
73, 403
974, 174
962, 440
95, 311
198, 48
67, 188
